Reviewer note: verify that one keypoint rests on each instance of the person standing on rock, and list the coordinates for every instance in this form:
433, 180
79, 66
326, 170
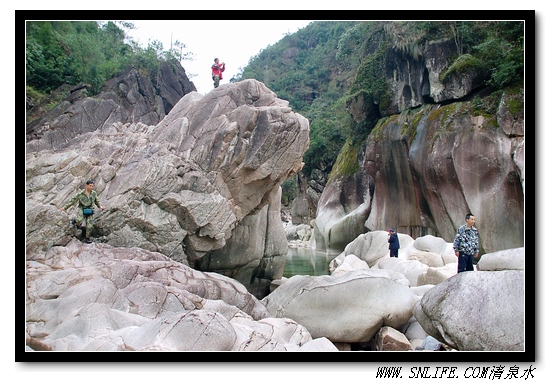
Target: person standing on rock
217, 70
466, 244
394, 243
86, 200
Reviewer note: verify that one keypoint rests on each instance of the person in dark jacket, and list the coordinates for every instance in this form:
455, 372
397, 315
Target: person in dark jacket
86, 199
394, 243
466, 244
217, 70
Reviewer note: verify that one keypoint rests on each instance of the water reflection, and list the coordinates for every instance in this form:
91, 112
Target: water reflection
307, 261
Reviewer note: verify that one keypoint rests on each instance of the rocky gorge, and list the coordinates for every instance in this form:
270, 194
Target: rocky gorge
189, 252
433, 154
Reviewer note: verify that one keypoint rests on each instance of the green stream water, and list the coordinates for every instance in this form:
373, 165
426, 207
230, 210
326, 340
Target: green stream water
307, 261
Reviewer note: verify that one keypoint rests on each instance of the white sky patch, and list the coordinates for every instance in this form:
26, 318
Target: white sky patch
234, 42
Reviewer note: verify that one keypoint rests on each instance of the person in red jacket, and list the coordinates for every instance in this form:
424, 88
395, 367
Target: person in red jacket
217, 70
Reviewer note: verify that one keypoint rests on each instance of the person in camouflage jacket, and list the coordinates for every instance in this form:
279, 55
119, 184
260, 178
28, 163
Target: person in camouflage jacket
466, 244
86, 199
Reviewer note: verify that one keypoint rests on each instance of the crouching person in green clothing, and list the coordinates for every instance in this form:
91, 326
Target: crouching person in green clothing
86, 200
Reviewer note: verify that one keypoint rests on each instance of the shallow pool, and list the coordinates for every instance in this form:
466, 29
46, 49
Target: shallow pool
307, 261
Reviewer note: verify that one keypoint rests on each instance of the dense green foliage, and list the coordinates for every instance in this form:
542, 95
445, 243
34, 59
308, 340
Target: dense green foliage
312, 69
73, 52
322, 66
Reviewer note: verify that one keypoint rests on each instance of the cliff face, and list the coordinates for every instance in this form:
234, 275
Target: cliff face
198, 186
432, 157
128, 98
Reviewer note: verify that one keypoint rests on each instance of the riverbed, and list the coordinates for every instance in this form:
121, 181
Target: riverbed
307, 261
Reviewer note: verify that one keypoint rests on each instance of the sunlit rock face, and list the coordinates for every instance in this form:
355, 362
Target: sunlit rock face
430, 157
184, 187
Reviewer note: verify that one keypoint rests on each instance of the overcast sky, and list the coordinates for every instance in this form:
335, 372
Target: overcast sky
232, 41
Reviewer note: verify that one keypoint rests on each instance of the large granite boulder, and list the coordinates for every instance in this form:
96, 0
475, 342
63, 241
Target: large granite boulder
207, 175
349, 308
372, 247
476, 311
513, 258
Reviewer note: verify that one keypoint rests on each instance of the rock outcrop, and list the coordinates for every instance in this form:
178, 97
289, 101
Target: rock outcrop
198, 187
97, 297
432, 154
128, 98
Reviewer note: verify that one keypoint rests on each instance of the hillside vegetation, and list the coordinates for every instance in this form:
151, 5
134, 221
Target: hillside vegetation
91, 52
320, 67
317, 69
